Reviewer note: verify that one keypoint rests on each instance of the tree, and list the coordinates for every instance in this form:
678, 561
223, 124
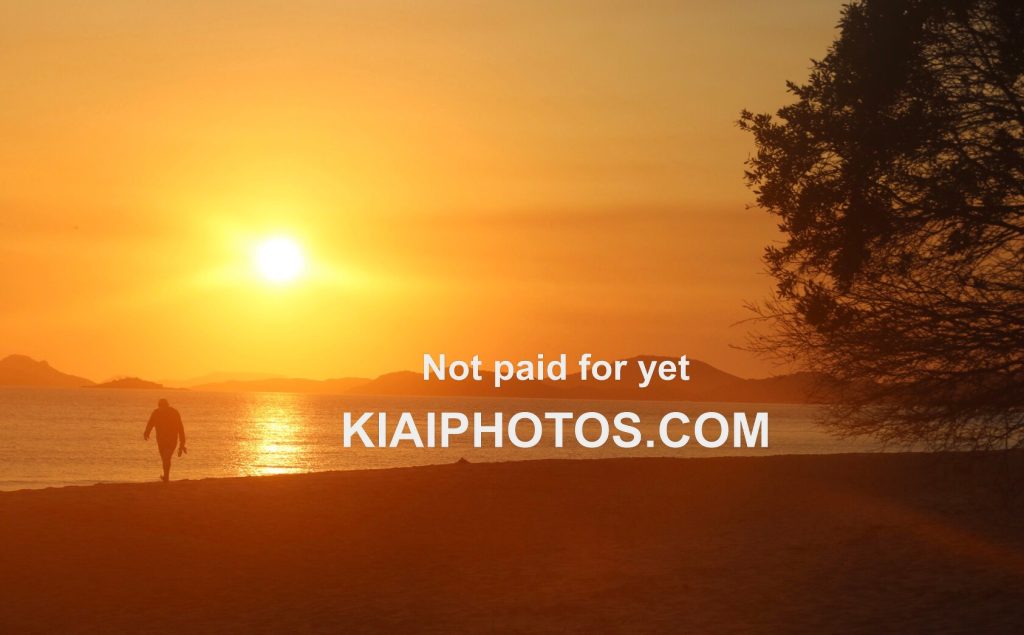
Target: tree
897, 176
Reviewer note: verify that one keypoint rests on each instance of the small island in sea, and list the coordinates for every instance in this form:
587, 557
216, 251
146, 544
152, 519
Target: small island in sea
133, 383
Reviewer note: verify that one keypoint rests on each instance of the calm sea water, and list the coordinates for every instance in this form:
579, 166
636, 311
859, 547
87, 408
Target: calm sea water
52, 437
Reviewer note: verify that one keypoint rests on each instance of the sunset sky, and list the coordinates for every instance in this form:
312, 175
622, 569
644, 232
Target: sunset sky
461, 177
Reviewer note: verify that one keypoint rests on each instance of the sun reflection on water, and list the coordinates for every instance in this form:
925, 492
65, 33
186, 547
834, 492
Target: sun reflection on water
272, 443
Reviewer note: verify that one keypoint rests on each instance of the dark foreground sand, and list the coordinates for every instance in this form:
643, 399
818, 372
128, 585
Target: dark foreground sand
852, 543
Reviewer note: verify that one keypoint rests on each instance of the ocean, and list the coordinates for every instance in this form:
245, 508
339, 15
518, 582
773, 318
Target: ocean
58, 437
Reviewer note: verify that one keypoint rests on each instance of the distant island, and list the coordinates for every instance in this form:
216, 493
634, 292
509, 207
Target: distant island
707, 383
130, 383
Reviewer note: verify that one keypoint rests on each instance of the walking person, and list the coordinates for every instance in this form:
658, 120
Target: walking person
169, 431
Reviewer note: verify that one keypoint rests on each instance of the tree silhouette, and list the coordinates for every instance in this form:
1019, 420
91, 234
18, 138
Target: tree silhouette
897, 176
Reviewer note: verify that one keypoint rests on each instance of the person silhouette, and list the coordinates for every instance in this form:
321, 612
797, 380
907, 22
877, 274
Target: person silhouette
169, 430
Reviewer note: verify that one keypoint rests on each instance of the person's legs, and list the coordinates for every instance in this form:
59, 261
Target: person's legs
165, 456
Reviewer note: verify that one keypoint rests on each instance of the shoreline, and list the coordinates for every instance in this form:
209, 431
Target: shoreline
804, 543
960, 454
207, 479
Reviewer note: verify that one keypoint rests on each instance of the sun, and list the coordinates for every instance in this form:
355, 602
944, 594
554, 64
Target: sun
279, 259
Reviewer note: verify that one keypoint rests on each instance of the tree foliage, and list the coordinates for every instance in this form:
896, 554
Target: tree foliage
897, 176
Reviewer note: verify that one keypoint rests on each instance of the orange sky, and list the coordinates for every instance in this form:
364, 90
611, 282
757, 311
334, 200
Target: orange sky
465, 177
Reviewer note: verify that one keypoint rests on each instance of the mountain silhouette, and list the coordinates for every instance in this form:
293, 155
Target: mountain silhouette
706, 383
21, 370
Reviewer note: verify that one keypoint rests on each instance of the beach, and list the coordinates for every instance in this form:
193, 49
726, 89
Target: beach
853, 543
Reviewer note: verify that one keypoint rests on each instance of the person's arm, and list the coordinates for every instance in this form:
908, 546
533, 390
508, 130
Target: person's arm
181, 436
149, 426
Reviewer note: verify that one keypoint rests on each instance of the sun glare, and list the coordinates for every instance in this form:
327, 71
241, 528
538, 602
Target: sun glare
279, 259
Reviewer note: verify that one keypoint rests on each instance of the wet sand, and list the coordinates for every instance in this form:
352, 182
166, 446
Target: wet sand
841, 543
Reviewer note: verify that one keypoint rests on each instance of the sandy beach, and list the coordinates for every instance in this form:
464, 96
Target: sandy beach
851, 543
